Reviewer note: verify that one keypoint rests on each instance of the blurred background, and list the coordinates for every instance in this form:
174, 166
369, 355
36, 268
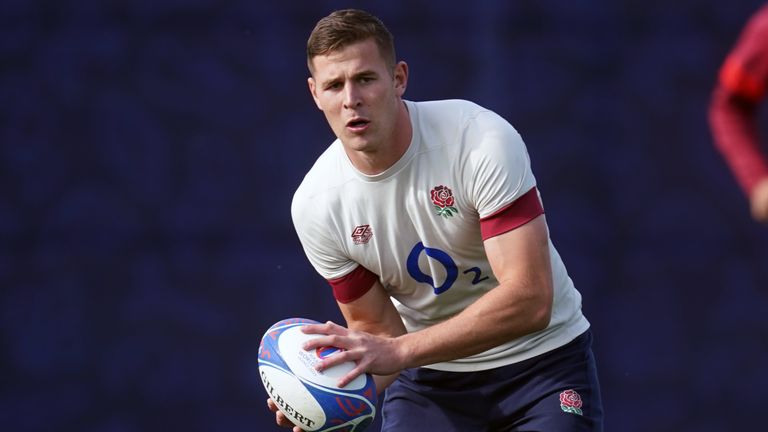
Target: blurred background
149, 151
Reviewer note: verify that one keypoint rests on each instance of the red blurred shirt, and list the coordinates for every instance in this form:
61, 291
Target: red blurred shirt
741, 86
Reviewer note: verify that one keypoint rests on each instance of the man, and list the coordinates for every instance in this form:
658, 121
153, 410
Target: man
426, 221
733, 111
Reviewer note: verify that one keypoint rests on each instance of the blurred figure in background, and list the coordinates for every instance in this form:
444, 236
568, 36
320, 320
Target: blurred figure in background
733, 111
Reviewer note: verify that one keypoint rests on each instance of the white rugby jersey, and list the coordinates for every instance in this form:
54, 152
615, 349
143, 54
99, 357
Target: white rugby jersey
417, 225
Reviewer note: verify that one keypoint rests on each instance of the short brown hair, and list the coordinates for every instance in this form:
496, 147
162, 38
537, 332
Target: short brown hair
348, 26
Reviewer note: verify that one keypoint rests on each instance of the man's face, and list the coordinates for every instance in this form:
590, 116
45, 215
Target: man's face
359, 94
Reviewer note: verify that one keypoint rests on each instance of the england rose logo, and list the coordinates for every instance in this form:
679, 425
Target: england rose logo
570, 402
442, 198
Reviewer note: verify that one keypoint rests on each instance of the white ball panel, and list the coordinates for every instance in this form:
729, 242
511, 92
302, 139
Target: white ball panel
303, 363
294, 400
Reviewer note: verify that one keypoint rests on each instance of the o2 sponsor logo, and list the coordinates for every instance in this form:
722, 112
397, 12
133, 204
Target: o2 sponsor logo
451, 269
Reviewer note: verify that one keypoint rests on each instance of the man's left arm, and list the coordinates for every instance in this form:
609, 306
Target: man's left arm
521, 304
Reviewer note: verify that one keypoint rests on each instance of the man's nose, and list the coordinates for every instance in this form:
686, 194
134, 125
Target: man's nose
351, 96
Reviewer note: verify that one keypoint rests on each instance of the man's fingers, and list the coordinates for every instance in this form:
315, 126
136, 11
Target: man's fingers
337, 359
326, 341
271, 404
280, 418
349, 377
327, 328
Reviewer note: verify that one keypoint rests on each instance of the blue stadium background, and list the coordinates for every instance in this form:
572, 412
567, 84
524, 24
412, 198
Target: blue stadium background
149, 151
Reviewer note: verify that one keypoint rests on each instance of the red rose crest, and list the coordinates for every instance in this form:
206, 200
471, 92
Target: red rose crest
442, 198
570, 402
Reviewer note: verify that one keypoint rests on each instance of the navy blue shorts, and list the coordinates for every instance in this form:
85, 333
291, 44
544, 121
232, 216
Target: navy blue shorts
556, 391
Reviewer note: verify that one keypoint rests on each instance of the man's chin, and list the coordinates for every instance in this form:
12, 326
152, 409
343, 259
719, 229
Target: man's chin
356, 143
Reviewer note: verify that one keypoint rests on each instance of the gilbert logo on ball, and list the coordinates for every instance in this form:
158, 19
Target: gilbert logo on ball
311, 399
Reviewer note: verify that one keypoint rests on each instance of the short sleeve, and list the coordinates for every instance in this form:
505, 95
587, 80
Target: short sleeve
317, 239
496, 167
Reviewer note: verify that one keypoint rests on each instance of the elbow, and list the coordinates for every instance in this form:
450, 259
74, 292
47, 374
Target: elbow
541, 312
540, 317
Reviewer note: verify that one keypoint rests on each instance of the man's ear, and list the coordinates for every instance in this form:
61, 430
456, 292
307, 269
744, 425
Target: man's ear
401, 77
313, 91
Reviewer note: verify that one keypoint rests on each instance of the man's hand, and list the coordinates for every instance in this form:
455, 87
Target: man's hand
280, 418
372, 354
758, 201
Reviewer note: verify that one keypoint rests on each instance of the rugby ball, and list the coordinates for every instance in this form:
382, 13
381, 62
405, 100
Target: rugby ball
311, 399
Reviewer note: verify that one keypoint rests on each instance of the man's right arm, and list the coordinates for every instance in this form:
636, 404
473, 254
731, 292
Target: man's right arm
374, 313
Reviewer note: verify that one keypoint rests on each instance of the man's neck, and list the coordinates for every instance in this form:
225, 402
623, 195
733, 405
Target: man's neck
376, 162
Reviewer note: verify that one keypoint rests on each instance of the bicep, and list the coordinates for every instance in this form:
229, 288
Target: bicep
373, 312
522, 254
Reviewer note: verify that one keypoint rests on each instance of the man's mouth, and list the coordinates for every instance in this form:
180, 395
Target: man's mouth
357, 123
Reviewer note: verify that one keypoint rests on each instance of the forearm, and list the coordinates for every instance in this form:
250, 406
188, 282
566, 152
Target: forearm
492, 320
385, 322
390, 330
521, 304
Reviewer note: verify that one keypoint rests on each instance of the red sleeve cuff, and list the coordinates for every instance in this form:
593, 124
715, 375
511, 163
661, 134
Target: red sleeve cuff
353, 285
521, 211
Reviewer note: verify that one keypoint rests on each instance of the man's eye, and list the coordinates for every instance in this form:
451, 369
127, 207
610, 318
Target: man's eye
334, 86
